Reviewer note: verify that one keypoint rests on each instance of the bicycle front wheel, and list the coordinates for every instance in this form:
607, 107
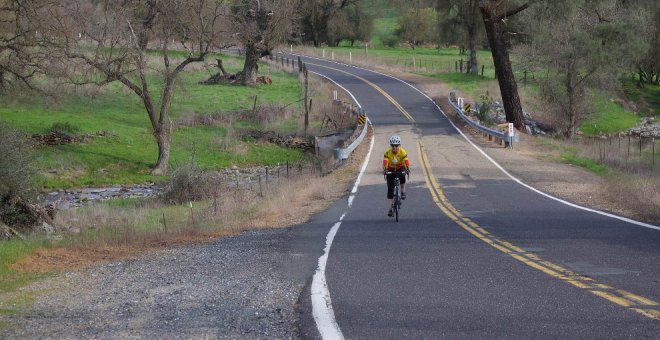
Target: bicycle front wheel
396, 211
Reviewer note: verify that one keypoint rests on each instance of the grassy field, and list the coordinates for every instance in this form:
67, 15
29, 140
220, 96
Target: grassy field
422, 60
124, 155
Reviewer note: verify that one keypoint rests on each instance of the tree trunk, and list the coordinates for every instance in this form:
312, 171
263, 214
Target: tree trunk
249, 73
472, 43
572, 93
159, 124
163, 140
222, 68
642, 77
505, 77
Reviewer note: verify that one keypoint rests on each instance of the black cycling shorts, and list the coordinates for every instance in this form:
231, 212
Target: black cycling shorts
390, 183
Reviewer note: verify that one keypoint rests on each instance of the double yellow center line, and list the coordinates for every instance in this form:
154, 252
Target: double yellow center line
639, 304
398, 106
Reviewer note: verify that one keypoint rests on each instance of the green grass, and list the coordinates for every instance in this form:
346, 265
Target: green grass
125, 156
466, 84
586, 163
426, 60
648, 97
385, 20
610, 118
383, 27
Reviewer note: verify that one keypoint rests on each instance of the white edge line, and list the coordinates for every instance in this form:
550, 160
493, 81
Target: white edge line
364, 167
324, 314
337, 84
625, 219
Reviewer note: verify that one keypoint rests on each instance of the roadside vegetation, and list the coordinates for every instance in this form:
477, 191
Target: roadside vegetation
207, 193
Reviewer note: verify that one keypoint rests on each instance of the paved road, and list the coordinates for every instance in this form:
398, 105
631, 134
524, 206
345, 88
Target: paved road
476, 254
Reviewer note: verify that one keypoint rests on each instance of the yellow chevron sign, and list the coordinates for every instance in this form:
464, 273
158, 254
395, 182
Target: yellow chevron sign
362, 118
466, 107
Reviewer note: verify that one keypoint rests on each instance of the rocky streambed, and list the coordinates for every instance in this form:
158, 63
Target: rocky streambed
231, 177
75, 198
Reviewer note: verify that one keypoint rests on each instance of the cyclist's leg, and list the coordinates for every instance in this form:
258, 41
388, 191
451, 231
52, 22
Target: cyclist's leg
402, 179
390, 193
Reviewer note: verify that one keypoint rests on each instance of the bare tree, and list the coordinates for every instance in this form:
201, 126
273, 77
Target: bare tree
20, 55
260, 25
106, 41
494, 16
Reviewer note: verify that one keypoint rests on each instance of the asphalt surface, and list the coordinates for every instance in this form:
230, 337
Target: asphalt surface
429, 276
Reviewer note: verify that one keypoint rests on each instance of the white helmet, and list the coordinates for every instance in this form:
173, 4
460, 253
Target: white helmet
395, 140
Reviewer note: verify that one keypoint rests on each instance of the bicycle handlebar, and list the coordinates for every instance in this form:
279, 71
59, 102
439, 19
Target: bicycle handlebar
403, 172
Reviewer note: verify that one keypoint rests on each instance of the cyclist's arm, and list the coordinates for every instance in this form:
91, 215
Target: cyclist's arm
386, 161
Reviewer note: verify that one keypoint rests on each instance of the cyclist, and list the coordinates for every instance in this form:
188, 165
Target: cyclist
395, 159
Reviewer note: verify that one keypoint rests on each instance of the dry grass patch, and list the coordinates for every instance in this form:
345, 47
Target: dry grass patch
638, 193
105, 233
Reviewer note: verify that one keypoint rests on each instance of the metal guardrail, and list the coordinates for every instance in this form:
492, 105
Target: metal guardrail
506, 137
345, 152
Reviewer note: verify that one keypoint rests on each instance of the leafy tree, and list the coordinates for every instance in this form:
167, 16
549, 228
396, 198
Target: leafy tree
463, 15
649, 66
351, 23
104, 41
416, 25
581, 45
315, 17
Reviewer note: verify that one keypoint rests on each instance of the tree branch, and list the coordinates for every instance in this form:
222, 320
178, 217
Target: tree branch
512, 12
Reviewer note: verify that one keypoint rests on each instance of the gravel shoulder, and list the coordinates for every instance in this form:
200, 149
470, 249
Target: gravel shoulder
235, 287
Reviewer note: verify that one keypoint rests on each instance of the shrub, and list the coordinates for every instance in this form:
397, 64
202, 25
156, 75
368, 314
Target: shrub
390, 40
16, 174
190, 183
483, 110
16, 163
64, 128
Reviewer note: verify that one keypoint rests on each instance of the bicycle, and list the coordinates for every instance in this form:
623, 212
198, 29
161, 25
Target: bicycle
396, 199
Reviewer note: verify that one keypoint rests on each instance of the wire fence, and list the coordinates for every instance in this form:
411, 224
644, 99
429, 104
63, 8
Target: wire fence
622, 151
